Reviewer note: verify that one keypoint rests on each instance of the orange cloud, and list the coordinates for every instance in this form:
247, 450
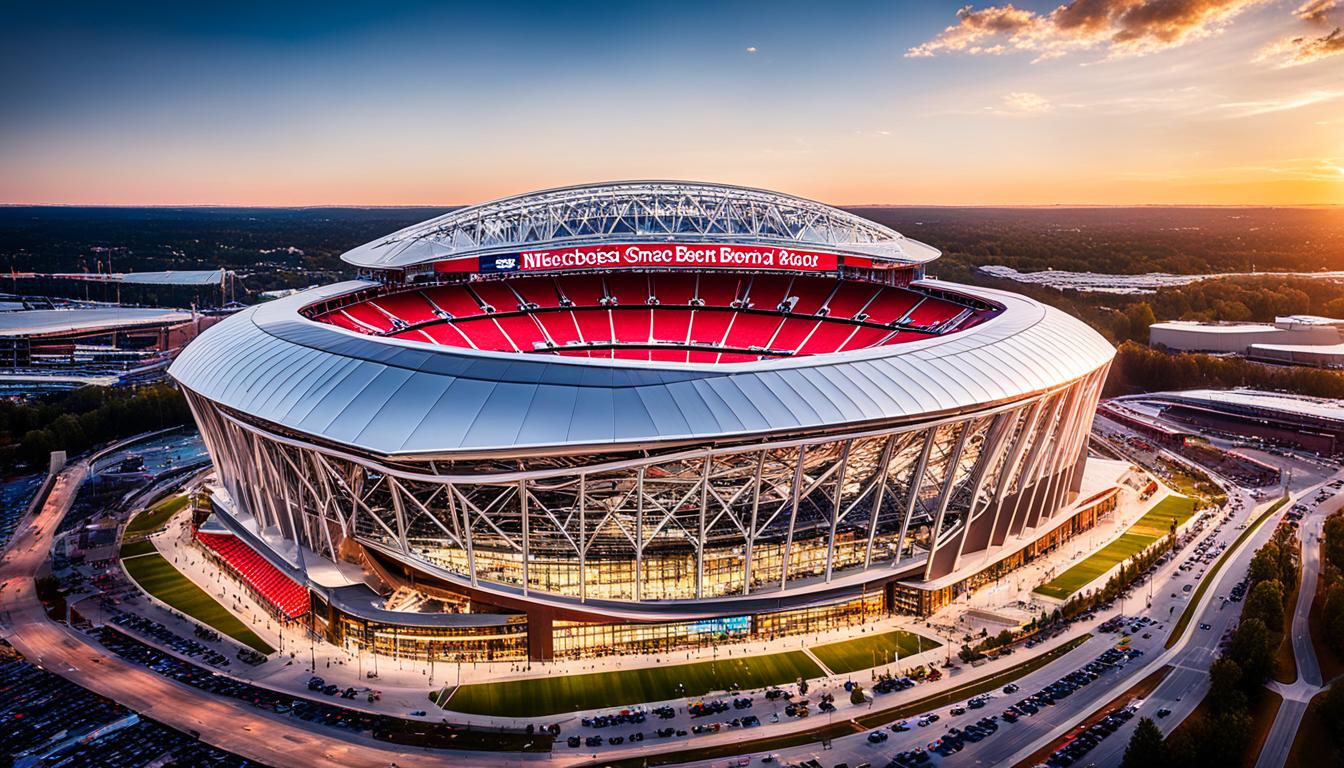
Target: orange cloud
1305, 49
1120, 27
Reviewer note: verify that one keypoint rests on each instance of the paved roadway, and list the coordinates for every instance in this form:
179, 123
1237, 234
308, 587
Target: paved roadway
1016, 741
1185, 686
1297, 695
262, 736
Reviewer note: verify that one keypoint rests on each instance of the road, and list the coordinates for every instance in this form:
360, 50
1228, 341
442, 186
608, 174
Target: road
1298, 695
1016, 741
265, 737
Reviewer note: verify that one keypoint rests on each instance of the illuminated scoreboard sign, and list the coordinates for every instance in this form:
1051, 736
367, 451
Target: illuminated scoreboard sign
704, 256
731, 625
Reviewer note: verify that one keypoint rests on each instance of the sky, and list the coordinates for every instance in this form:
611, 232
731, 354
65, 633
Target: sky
1100, 102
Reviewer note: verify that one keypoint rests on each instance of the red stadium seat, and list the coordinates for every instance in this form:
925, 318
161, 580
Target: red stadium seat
368, 316
559, 326
410, 307
671, 325
751, 330
540, 291
522, 330
849, 298
454, 300
628, 289
631, 325
287, 596
708, 326
828, 337
673, 288
890, 305
767, 292
495, 294
583, 290
792, 333
717, 290
594, 324
811, 293
485, 333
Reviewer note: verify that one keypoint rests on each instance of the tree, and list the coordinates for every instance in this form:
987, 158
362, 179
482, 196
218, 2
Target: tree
1265, 564
1146, 749
1252, 649
1225, 691
1265, 602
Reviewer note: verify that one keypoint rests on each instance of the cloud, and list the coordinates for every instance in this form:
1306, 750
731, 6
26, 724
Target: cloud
1304, 49
1316, 11
1119, 27
1266, 106
1023, 103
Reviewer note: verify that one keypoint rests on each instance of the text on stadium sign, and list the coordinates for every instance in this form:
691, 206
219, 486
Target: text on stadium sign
660, 255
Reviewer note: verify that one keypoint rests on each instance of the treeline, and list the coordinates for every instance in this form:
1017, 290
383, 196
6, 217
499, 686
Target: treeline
1143, 369
1220, 731
78, 420
1331, 707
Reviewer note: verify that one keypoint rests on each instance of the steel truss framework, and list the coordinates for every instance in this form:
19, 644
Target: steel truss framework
637, 210
773, 517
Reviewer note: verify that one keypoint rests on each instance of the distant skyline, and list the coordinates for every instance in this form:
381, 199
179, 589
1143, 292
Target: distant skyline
1093, 102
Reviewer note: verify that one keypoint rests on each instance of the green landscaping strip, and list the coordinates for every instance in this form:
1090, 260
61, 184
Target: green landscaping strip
137, 548
153, 519
571, 693
868, 720
159, 578
1146, 530
867, 652
1209, 575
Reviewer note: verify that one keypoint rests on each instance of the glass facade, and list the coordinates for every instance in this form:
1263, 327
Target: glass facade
682, 525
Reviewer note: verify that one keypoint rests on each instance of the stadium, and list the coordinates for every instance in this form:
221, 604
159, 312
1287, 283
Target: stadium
637, 416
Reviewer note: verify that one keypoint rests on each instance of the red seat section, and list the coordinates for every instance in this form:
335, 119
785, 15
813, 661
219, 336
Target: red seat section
661, 316
674, 288
767, 292
495, 294
583, 290
410, 307
628, 289
708, 326
540, 291
671, 325
849, 298
594, 324
811, 295
720, 290
454, 300
932, 312
751, 330
485, 333
523, 331
631, 326
288, 596
890, 305
369, 316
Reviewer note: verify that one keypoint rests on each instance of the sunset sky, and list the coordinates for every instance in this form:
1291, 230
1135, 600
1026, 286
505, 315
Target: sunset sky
1092, 102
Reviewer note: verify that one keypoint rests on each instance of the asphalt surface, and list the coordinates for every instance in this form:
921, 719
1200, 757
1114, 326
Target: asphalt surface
249, 732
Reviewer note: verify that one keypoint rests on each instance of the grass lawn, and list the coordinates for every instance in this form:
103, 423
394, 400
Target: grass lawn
875, 718
136, 548
874, 650
609, 690
1141, 535
154, 518
158, 577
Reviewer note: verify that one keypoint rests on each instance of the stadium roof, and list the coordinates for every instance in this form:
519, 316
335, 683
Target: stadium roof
44, 322
638, 211
1301, 405
394, 397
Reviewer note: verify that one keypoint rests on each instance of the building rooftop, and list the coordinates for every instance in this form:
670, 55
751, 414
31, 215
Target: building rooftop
40, 322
